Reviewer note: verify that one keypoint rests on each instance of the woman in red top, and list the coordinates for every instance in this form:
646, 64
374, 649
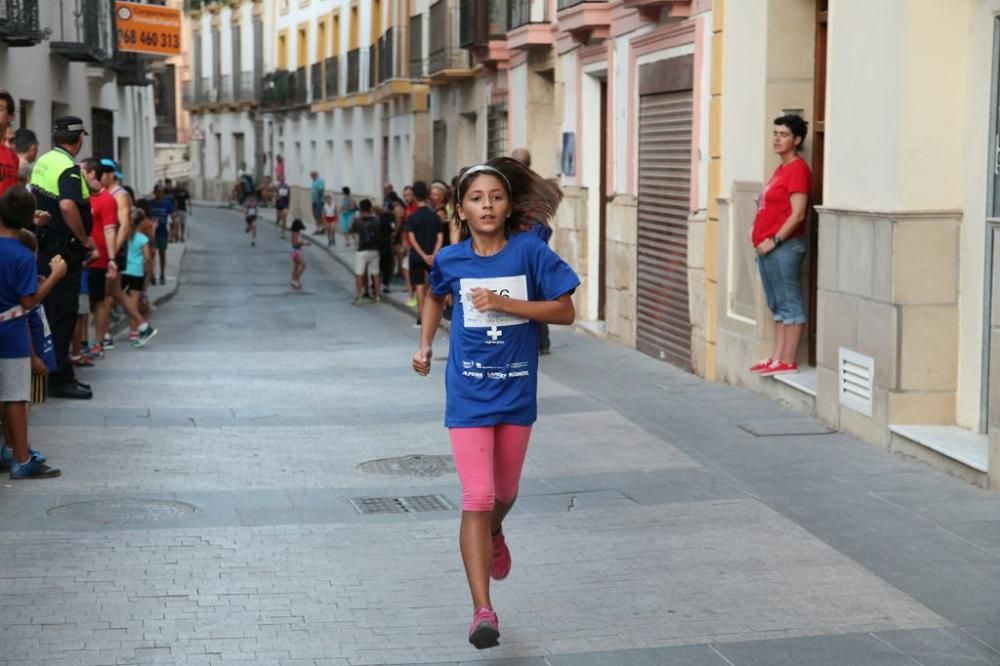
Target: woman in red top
777, 237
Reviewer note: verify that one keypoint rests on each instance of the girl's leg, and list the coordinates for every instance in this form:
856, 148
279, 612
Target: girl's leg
472, 449
15, 418
509, 450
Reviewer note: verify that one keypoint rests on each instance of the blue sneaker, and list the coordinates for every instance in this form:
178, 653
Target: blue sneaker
7, 457
32, 469
144, 337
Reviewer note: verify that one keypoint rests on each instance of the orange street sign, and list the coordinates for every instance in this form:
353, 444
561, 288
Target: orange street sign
148, 28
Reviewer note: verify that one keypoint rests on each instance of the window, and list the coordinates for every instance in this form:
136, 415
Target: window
303, 47
336, 34
283, 50
353, 36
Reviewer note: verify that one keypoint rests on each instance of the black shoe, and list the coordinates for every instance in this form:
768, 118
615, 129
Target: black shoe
544, 351
70, 392
84, 385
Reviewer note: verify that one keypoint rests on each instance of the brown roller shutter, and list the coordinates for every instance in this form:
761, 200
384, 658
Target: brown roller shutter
663, 321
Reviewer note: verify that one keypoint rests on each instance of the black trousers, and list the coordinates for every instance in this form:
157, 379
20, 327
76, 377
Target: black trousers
387, 265
61, 310
543, 337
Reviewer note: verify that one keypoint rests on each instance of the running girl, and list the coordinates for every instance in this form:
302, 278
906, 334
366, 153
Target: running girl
503, 284
138, 265
298, 261
347, 209
250, 214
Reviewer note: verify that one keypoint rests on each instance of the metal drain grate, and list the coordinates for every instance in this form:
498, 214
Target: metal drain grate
409, 504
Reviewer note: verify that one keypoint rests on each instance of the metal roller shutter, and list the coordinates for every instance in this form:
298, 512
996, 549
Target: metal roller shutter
663, 320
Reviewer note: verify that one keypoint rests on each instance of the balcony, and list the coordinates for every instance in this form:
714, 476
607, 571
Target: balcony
188, 94
417, 46
446, 61
482, 21
83, 31
131, 70
316, 81
373, 65
584, 20
386, 59
19, 23
353, 72
246, 88
650, 9
301, 87
226, 92
332, 78
208, 91
528, 24
278, 92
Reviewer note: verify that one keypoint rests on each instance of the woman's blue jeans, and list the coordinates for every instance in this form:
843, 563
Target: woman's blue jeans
781, 273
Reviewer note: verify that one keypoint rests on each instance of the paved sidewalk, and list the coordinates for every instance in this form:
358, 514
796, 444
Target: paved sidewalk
206, 514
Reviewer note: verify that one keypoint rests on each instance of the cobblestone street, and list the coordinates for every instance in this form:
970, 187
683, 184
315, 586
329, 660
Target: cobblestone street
205, 511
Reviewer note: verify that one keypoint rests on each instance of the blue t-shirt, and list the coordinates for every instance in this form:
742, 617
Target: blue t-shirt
318, 187
161, 211
41, 336
492, 372
135, 265
18, 277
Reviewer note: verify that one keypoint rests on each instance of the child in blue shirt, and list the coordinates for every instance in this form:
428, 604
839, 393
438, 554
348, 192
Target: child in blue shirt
504, 284
19, 293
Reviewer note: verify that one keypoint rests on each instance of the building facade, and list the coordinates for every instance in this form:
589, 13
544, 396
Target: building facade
76, 69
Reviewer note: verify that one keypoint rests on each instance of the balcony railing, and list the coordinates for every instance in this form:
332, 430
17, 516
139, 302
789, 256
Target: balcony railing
373, 65
386, 61
332, 77
523, 12
480, 21
566, 4
226, 92
188, 94
278, 90
417, 46
445, 52
83, 31
19, 23
247, 88
316, 81
353, 71
131, 70
208, 93
301, 86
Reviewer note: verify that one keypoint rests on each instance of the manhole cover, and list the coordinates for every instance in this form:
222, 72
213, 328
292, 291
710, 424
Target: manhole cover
123, 511
417, 465
409, 504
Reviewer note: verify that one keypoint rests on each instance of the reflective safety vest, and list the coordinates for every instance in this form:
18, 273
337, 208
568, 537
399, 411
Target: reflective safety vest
49, 169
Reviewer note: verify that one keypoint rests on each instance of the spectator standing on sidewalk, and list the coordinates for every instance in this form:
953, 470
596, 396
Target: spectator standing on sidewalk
162, 210
250, 216
26, 147
61, 191
182, 206
503, 282
347, 209
316, 194
104, 212
20, 291
386, 234
423, 228
330, 220
138, 265
366, 259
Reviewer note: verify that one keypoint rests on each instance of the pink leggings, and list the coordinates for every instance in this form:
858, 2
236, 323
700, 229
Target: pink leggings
489, 462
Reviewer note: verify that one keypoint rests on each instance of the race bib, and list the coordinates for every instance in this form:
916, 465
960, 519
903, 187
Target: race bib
515, 286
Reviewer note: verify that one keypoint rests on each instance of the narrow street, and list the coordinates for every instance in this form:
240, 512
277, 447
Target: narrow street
210, 509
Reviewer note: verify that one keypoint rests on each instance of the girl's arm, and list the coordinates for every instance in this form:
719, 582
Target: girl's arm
430, 319
58, 268
147, 259
559, 311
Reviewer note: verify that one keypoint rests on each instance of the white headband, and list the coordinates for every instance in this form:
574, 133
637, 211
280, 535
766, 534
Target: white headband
479, 168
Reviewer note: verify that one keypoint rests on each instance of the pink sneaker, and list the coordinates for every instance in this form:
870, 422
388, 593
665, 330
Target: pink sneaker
485, 630
501, 557
762, 366
778, 368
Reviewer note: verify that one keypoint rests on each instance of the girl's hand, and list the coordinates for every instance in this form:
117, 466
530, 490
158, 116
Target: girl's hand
422, 361
38, 366
57, 266
485, 300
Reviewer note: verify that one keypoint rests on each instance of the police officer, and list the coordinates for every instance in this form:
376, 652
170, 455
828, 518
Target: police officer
61, 191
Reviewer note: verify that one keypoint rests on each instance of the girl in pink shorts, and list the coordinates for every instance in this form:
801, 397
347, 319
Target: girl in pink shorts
503, 284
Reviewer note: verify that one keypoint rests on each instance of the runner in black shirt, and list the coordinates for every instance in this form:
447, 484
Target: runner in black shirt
424, 232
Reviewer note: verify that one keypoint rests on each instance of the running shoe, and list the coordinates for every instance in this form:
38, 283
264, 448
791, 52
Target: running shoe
144, 337
96, 352
81, 361
253, 243
779, 368
501, 557
357, 301
133, 336
412, 303
33, 468
485, 630
7, 457
163, 279
109, 343
762, 366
